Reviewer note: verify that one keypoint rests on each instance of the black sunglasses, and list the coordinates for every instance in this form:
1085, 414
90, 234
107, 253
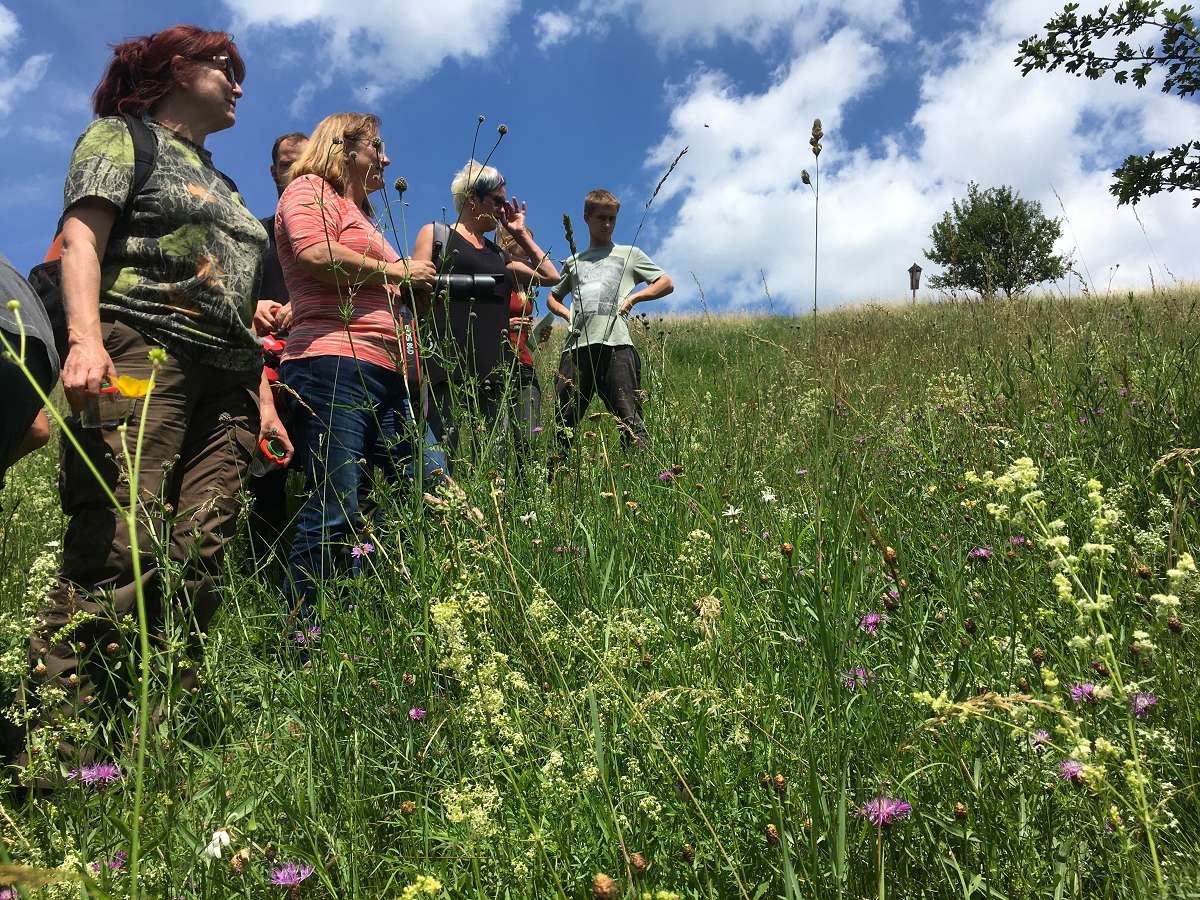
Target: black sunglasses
225, 63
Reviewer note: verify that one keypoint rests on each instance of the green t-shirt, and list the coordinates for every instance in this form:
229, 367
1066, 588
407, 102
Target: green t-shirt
182, 265
595, 282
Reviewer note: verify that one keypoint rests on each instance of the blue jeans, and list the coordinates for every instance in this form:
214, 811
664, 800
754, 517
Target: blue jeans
360, 411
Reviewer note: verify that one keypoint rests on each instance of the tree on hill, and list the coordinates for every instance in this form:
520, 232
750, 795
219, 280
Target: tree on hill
995, 242
1092, 46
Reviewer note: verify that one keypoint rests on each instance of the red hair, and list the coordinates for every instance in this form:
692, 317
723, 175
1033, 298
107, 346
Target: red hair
140, 73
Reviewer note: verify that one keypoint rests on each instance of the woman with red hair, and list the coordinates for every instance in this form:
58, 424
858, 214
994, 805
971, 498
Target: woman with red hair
170, 265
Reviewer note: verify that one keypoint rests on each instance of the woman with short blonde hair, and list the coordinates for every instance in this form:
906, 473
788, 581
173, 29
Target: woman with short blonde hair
476, 371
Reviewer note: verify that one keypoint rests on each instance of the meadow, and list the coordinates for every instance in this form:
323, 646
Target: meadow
900, 602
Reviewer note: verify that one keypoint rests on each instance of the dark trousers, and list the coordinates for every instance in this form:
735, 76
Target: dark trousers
499, 406
614, 372
199, 432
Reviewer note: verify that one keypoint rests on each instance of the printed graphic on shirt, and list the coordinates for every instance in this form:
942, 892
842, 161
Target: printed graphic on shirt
182, 265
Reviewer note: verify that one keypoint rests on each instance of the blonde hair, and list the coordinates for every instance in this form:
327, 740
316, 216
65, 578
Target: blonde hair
329, 147
506, 242
474, 180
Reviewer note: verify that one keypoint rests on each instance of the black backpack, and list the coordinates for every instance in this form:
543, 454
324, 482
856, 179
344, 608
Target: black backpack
46, 277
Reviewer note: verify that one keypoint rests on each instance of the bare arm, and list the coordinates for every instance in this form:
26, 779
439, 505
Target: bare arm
526, 277
330, 262
555, 306
85, 233
658, 288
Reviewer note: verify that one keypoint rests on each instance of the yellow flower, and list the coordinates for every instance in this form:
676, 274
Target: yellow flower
132, 387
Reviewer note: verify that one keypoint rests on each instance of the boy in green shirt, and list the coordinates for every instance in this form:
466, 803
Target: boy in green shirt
598, 354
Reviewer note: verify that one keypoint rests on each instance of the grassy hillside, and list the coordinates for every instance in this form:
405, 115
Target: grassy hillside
697, 671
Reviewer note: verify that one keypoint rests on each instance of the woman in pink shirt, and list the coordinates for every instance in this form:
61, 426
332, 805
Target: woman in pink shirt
352, 301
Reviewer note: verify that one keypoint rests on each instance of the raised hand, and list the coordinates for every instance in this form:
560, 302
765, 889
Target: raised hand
512, 214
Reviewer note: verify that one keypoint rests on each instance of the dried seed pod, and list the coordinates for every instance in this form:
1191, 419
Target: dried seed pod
1144, 572
687, 853
1038, 656
237, 862
960, 811
889, 555
647, 660
771, 834
638, 863
764, 780
604, 888
1023, 685
779, 782
408, 807
787, 550
1174, 625
112, 648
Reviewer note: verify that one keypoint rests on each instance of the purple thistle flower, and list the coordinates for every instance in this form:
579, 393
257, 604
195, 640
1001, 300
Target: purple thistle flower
666, 475
8, 894
980, 553
116, 864
290, 874
870, 622
1039, 739
892, 593
303, 638
1083, 693
416, 714
1141, 703
366, 548
538, 429
1071, 770
856, 678
883, 812
99, 775
1019, 540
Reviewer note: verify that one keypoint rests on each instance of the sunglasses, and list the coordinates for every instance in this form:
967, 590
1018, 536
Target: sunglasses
225, 64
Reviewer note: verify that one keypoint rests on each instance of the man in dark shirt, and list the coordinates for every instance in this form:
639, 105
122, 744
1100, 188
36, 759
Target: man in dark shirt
272, 317
23, 423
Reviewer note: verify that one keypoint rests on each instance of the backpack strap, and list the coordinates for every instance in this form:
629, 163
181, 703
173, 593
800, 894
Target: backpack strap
145, 158
441, 237
145, 154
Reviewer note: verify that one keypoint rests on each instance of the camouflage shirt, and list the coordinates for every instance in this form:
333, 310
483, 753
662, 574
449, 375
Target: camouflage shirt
183, 263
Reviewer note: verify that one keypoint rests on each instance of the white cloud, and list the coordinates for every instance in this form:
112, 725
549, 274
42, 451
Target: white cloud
386, 44
27, 76
554, 27
675, 22
742, 208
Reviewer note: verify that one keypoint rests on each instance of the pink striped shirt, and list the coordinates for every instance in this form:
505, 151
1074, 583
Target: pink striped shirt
311, 212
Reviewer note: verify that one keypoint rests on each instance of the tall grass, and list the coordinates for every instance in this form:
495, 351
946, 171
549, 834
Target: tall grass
660, 667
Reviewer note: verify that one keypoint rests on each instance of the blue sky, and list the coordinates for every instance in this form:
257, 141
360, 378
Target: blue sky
916, 99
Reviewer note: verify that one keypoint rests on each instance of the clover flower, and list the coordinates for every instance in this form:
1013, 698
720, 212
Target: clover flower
870, 622
1141, 703
366, 548
858, 677
883, 812
1084, 693
290, 874
99, 775
1071, 770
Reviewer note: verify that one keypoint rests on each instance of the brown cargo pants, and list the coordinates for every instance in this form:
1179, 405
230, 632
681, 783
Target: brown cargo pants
199, 435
